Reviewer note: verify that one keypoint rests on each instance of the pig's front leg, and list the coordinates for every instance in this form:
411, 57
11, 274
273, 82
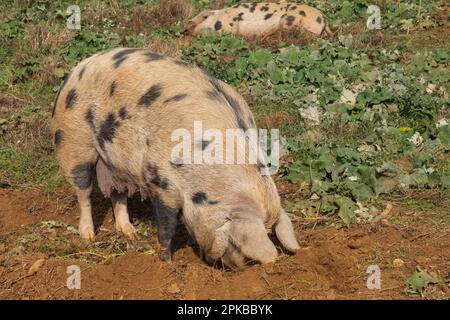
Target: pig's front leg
167, 221
123, 224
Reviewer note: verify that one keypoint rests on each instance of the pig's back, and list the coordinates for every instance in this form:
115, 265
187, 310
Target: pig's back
131, 101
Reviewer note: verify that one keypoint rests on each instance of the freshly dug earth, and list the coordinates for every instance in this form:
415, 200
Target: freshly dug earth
332, 263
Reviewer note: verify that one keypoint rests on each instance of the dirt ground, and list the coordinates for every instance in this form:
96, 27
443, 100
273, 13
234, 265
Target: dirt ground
331, 264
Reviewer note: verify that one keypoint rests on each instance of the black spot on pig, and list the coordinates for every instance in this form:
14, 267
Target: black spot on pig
268, 16
123, 53
150, 96
239, 17
214, 95
59, 136
82, 71
245, 5
147, 142
155, 177
290, 20
61, 87
123, 113
89, 116
71, 98
112, 88
218, 25
202, 144
119, 62
82, 175
319, 20
293, 8
153, 56
253, 7
176, 98
323, 29
231, 101
121, 56
302, 13
199, 197
107, 130
202, 198
183, 64
231, 24
251, 121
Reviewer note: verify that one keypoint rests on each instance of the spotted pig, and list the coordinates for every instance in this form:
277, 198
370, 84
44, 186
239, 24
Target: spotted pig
260, 19
113, 120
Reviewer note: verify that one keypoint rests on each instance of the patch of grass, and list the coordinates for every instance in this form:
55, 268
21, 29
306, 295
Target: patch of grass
60, 240
399, 220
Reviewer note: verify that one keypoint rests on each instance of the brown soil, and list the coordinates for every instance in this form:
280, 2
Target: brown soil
332, 263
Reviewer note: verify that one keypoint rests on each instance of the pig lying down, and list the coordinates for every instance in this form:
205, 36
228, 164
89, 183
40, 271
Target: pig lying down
113, 119
260, 19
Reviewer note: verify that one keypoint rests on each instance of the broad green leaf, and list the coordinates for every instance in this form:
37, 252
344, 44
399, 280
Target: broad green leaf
324, 163
260, 57
346, 208
445, 182
444, 134
418, 281
360, 191
347, 154
367, 176
276, 76
321, 187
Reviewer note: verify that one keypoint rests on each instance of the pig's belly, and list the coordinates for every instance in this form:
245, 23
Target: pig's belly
121, 167
258, 27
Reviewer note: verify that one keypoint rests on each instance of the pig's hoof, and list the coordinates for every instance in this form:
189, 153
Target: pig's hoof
128, 230
87, 233
190, 241
166, 256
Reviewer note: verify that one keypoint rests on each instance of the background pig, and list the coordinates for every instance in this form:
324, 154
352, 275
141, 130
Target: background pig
260, 19
114, 117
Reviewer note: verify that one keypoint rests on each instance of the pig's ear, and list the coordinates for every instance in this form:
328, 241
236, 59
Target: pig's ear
249, 235
199, 19
285, 232
220, 242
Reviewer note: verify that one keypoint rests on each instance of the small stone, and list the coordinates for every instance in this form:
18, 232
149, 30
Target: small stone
348, 97
173, 288
36, 266
398, 263
387, 209
315, 197
312, 114
431, 88
416, 139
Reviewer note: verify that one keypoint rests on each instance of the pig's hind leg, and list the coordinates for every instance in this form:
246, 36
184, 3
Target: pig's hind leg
78, 158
